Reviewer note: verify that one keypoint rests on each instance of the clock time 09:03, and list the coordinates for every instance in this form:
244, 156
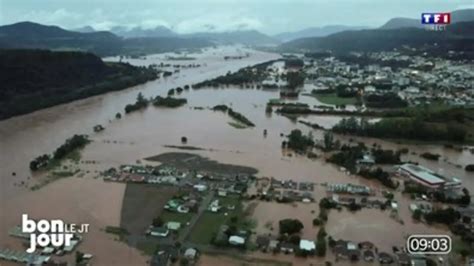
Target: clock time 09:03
429, 244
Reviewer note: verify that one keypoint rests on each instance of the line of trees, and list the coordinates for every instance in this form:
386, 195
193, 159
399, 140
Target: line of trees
404, 128
72, 144
169, 101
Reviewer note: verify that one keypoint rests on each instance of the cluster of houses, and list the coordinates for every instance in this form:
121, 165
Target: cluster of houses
414, 78
224, 237
266, 243
349, 189
185, 203
366, 251
284, 190
169, 253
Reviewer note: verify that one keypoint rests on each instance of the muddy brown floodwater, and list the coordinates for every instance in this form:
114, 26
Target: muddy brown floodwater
146, 133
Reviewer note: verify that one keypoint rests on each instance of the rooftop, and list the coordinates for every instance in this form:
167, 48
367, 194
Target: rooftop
307, 245
422, 173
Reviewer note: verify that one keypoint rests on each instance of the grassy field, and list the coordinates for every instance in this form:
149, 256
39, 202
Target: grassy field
147, 247
182, 218
332, 98
150, 200
209, 223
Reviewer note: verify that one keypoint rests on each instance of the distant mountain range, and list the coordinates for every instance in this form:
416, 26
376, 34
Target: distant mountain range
29, 35
161, 39
395, 33
458, 36
138, 32
247, 37
315, 32
34, 35
85, 29
456, 16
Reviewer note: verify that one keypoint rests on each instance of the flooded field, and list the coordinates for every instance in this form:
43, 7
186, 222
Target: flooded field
150, 132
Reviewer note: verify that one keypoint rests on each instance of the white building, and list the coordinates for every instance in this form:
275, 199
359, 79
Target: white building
307, 245
236, 240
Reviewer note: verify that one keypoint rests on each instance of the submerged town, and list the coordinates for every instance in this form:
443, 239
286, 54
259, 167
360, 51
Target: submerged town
180, 206
137, 141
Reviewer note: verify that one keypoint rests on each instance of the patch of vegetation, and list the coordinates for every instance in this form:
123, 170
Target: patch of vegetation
334, 99
321, 244
469, 168
380, 175
295, 79
182, 218
387, 100
237, 125
169, 101
402, 128
445, 216
430, 156
235, 115
120, 232
206, 229
140, 103
147, 247
347, 156
290, 226
69, 148
240, 117
59, 77
247, 75
299, 142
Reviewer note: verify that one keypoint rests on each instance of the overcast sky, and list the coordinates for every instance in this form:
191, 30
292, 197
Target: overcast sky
184, 16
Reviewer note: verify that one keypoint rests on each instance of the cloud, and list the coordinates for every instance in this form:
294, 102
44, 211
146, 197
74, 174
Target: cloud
468, 6
217, 23
153, 23
55, 17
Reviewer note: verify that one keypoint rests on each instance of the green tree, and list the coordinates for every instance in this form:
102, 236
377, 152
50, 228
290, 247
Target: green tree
290, 226
328, 140
321, 243
417, 215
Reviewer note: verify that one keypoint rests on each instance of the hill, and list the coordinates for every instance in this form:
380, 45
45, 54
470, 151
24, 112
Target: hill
396, 23
314, 32
461, 15
458, 37
29, 35
84, 29
247, 37
138, 32
35, 79
148, 45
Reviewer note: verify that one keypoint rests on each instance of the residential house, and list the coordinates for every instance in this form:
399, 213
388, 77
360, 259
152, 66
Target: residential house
190, 253
173, 226
159, 231
287, 247
236, 240
307, 245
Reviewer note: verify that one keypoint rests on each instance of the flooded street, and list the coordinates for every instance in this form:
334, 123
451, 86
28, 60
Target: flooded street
145, 133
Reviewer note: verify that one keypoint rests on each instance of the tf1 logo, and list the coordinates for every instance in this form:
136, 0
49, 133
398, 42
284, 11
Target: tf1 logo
436, 18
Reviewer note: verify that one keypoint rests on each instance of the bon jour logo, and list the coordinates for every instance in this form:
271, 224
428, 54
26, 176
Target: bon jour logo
44, 233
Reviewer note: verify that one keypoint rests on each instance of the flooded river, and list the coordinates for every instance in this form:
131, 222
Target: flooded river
144, 133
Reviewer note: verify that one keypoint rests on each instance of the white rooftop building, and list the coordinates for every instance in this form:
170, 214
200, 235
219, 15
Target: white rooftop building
307, 245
